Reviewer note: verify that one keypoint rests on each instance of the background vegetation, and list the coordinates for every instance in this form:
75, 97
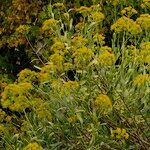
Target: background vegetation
74, 74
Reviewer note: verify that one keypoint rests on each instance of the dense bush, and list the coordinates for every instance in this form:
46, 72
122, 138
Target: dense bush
74, 75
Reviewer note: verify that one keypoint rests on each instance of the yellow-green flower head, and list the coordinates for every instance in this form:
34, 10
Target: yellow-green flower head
145, 4
106, 58
27, 75
79, 26
59, 5
15, 96
2, 115
114, 2
22, 29
141, 79
79, 41
119, 134
128, 11
83, 9
73, 119
126, 24
48, 25
96, 8
104, 103
144, 21
47, 72
82, 57
97, 16
144, 50
33, 146
2, 129
58, 60
58, 47
41, 108
68, 87
99, 38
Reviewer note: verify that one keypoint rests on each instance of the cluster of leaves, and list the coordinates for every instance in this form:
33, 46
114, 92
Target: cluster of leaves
87, 82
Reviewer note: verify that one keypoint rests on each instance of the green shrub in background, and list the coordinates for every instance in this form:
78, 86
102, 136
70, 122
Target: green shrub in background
82, 74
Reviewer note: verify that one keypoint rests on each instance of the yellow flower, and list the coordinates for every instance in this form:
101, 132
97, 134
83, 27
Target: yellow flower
15, 96
145, 4
128, 11
104, 103
33, 146
41, 108
57, 60
22, 29
47, 72
2, 115
106, 58
144, 21
126, 24
145, 51
119, 134
59, 5
27, 75
48, 25
58, 47
99, 38
141, 79
83, 9
73, 119
79, 26
68, 87
79, 41
2, 129
97, 16
114, 2
82, 57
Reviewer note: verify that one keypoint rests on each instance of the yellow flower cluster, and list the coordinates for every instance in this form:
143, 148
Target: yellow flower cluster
97, 16
2, 129
104, 103
144, 21
14, 41
72, 119
41, 108
47, 72
2, 115
69, 87
145, 53
58, 47
99, 38
128, 11
15, 96
19, 4
79, 41
27, 75
60, 6
82, 57
83, 9
79, 26
33, 146
145, 4
126, 24
48, 26
57, 60
141, 79
106, 58
114, 2
22, 29
119, 134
